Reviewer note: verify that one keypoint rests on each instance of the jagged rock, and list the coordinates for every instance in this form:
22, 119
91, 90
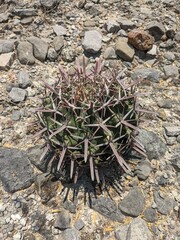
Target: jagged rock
164, 204
58, 43
140, 40
143, 170
156, 29
124, 50
6, 60
154, 146
150, 74
15, 170
6, 46
62, 220
133, 203
23, 79
172, 131
25, 12
59, 30
126, 24
25, 53
138, 229
48, 3
17, 94
40, 48
112, 26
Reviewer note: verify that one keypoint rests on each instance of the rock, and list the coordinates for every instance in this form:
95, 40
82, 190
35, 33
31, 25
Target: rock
170, 140
6, 60
152, 52
26, 20
48, 3
69, 234
6, 46
92, 42
178, 139
52, 54
126, 24
110, 53
156, 29
177, 37
121, 232
138, 230
140, 40
172, 131
58, 43
15, 171
28, 236
169, 56
112, 26
25, 53
171, 71
4, 17
79, 224
62, 220
124, 50
154, 146
150, 214
23, 79
16, 115
175, 161
81, 3
25, 12
38, 220
59, 30
165, 103
70, 206
40, 48
68, 54
150, 74
35, 157
164, 204
143, 170
133, 203
17, 94
107, 208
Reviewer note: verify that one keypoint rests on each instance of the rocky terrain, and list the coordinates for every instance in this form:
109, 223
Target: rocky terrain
140, 37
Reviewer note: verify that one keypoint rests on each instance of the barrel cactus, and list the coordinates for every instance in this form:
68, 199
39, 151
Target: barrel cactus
89, 119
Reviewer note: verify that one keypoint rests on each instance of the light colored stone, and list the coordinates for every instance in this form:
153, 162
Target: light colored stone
110, 53
124, 50
172, 131
59, 30
92, 42
138, 230
40, 48
6, 46
6, 60
17, 94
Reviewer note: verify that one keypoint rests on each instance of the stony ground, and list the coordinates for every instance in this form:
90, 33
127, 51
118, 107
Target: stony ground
37, 36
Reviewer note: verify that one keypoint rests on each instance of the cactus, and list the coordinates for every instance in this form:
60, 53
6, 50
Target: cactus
90, 119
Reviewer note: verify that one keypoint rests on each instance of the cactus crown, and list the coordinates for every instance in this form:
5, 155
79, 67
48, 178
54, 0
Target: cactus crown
90, 119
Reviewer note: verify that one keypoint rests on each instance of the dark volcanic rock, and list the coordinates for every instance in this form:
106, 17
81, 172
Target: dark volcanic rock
107, 208
62, 221
164, 204
15, 170
133, 203
154, 146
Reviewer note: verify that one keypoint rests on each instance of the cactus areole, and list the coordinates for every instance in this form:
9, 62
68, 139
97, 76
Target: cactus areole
90, 118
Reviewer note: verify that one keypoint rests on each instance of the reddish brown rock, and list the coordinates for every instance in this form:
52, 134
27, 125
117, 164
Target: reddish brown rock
140, 40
